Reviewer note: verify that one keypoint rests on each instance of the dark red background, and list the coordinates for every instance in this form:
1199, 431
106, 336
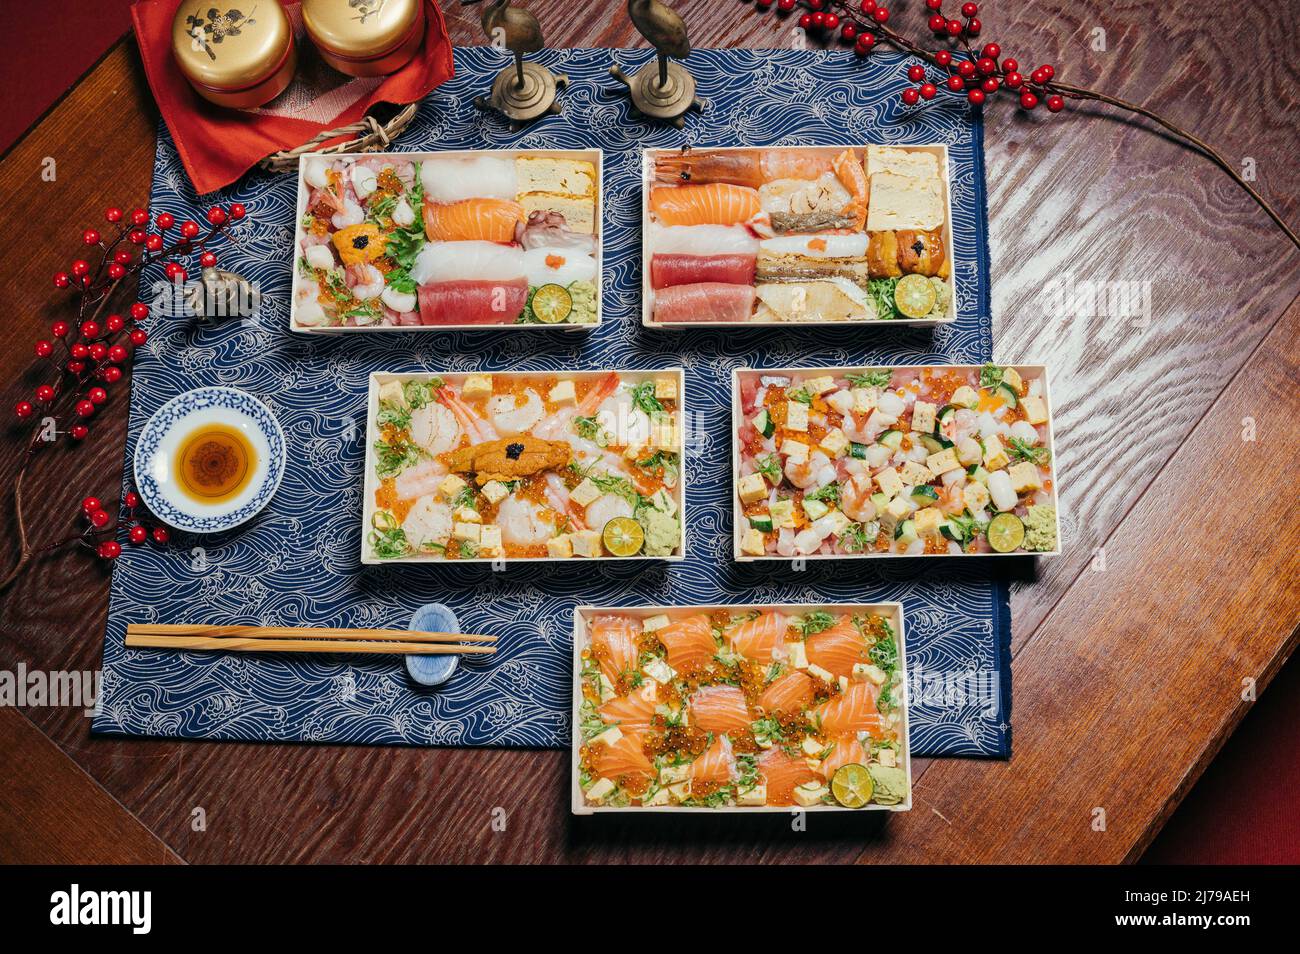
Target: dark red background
1243, 810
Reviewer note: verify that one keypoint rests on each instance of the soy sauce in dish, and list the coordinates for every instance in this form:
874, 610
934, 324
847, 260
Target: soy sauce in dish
215, 463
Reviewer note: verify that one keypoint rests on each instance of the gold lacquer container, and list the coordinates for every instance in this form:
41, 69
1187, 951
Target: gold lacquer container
237, 55
365, 37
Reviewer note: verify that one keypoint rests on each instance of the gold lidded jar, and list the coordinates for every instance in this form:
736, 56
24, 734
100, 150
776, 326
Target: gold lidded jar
365, 37
235, 53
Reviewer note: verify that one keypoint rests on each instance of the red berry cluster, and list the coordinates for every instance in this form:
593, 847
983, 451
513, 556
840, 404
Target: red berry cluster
100, 529
823, 20
977, 74
90, 353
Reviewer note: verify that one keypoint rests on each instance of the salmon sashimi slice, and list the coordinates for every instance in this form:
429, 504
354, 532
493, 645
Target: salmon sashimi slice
629, 712
704, 301
624, 757
846, 750
716, 763
689, 642
668, 270
614, 646
484, 220
716, 203
853, 710
758, 638
838, 649
719, 709
781, 774
788, 693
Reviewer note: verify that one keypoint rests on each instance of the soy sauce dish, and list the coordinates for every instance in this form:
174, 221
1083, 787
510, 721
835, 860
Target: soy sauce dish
209, 459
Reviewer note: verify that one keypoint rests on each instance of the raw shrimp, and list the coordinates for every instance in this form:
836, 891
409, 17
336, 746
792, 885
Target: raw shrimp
476, 427
557, 495
817, 471
421, 480
855, 499
556, 427
511, 419
365, 280
747, 167
435, 428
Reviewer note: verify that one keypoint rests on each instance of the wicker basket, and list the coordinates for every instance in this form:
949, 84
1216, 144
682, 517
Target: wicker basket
366, 135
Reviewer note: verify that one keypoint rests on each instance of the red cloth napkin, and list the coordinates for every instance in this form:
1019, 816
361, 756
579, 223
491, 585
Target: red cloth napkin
219, 145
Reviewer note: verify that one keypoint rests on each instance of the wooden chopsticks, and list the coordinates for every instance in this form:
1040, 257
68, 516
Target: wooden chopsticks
302, 639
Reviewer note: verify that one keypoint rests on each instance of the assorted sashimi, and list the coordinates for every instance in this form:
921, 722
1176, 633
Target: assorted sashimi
444, 240
726, 707
811, 234
915, 461
526, 466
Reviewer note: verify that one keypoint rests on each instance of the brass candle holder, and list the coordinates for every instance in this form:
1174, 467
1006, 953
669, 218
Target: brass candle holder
525, 91
664, 90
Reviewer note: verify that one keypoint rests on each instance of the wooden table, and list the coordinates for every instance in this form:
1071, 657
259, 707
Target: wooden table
1181, 580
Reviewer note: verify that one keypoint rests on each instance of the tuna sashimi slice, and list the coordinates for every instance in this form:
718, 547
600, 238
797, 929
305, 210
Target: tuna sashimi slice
670, 270
472, 302
704, 301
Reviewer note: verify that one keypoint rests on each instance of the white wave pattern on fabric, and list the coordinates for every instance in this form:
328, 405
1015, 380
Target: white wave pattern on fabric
297, 562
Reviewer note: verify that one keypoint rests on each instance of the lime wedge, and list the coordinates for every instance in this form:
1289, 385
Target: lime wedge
1006, 533
852, 786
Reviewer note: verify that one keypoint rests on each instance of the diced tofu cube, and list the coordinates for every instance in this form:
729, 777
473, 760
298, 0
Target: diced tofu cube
890, 484
680, 792
467, 515
466, 531
673, 774
923, 417
606, 690
864, 400
869, 672
1012, 377
900, 508
660, 797
837, 522
659, 670
477, 386
666, 389
812, 747
653, 623
755, 796
495, 491
819, 385
810, 794
943, 461
915, 474
888, 758
586, 543
451, 485
819, 673
649, 691
1035, 409
782, 513
796, 416
663, 434
489, 541
560, 546
752, 543
844, 683
610, 736
563, 393
796, 452
600, 790
1024, 476
797, 654
392, 393
976, 496
585, 493
835, 443
995, 457
752, 487
965, 396
928, 520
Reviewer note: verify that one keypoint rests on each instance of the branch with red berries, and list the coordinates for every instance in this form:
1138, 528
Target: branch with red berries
87, 355
961, 68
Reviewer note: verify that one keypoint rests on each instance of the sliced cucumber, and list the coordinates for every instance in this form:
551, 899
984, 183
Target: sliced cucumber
880, 501
1007, 393
815, 509
892, 439
906, 531
935, 442
858, 450
763, 423
952, 531
761, 522
925, 495
946, 414
980, 474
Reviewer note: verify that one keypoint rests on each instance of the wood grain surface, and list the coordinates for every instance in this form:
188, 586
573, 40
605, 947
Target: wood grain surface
1128, 680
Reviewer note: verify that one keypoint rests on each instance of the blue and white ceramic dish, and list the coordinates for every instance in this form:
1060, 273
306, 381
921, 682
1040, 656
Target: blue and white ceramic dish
155, 454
